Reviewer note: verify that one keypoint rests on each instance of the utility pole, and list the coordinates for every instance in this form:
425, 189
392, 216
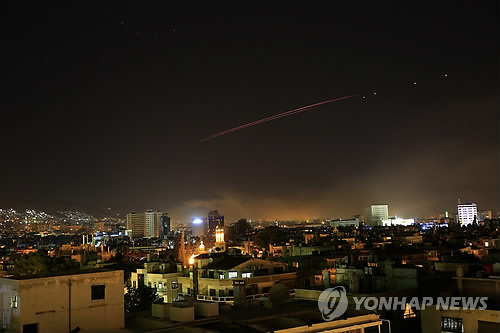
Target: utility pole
69, 306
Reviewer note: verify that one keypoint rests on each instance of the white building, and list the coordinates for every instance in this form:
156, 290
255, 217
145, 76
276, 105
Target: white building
375, 214
467, 213
89, 301
158, 276
397, 221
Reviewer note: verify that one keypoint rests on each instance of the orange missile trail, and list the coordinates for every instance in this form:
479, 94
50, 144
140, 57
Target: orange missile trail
277, 116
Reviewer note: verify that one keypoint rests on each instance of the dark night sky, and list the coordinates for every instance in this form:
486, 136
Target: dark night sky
104, 106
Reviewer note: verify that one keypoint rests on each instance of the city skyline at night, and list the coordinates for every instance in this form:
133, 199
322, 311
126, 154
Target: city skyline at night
106, 107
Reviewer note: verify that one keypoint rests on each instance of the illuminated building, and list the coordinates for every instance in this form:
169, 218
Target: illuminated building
218, 270
467, 213
147, 224
343, 223
136, 223
92, 302
375, 214
199, 227
393, 221
214, 220
153, 223
220, 245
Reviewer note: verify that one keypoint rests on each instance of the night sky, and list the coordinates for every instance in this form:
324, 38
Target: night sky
105, 106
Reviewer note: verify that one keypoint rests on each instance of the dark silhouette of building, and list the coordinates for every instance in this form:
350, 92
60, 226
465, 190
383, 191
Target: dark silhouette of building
214, 220
239, 231
165, 225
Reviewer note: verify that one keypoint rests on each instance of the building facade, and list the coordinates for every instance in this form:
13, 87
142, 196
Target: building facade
136, 223
165, 226
375, 214
146, 224
89, 301
214, 220
484, 215
157, 275
467, 213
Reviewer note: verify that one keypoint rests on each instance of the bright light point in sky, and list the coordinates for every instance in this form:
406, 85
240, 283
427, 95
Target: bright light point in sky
446, 75
364, 97
414, 83
197, 221
374, 93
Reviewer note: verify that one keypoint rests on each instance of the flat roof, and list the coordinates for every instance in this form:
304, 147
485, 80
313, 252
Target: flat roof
66, 273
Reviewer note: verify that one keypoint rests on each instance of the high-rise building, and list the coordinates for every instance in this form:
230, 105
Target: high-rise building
147, 224
375, 214
239, 231
214, 220
136, 222
467, 213
165, 225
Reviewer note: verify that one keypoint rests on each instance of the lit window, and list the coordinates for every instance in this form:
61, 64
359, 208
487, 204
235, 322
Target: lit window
246, 275
160, 285
232, 275
97, 292
221, 276
452, 325
175, 285
14, 301
409, 313
295, 264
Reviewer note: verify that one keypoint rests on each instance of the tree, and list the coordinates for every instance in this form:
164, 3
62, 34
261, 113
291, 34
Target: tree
39, 263
139, 299
270, 235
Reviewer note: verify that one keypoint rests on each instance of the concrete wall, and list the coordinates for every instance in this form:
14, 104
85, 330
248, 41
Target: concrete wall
206, 309
352, 324
46, 301
403, 278
452, 267
181, 314
9, 317
160, 311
